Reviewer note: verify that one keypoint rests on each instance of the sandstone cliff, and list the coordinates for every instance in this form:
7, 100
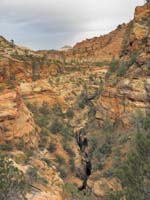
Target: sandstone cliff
47, 97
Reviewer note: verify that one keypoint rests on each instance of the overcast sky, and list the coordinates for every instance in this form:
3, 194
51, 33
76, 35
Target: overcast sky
51, 24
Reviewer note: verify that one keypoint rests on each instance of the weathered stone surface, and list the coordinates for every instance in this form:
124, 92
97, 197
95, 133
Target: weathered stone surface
16, 121
104, 186
69, 79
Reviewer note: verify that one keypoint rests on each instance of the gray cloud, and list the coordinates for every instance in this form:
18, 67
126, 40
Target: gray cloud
47, 24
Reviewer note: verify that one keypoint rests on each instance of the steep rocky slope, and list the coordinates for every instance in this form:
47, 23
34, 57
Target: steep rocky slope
97, 49
50, 98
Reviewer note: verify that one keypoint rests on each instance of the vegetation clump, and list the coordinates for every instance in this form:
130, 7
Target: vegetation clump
13, 184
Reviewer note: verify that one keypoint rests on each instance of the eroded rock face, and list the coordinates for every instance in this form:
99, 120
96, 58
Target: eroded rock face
61, 81
16, 121
40, 91
104, 186
99, 48
137, 30
44, 196
121, 102
53, 188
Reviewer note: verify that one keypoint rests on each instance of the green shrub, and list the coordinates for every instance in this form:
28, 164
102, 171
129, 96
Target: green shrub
28, 153
107, 125
93, 143
12, 181
56, 127
146, 123
6, 147
60, 160
98, 166
2, 88
70, 113
105, 149
52, 147
115, 196
11, 84
33, 107
135, 170
35, 177
32, 173
132, 59
72, 164
72, 192
21, 144
44, 132
41, 120
83, 101
114, 65
147, 63
63, 172
92, 112
101, 64
109, 173
140, 121
42, 143
44, 108
122, 70
68, 149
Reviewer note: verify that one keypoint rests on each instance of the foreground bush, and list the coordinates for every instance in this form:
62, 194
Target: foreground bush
12, 181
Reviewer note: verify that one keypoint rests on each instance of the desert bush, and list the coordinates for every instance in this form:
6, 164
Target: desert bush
11, 84
135, 170
6, 147
68, 149
100, 64
52, 147
2, 88
107, 125
60, 159
35, 177
70, 113
122, 69
140, 121
115, 196
132, 59
44, 108
108, 173
32, 173
72, 192
72, 164
12, 181
114, 65
41, 120
83, 101
56, 127
21, 144
63, 172
92, 112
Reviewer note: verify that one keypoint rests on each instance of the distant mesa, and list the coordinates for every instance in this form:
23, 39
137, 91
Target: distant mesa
65, 48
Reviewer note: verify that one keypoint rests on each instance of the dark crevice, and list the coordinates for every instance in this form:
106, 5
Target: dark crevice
82, 141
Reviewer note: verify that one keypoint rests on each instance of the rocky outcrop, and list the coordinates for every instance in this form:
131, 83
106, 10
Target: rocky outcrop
65, 48
79, 81
121, 102
40, 91
103, 186
16, 121
137, 31
98, 49
53, 188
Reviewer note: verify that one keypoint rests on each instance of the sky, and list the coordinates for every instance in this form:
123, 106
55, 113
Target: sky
51, 24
